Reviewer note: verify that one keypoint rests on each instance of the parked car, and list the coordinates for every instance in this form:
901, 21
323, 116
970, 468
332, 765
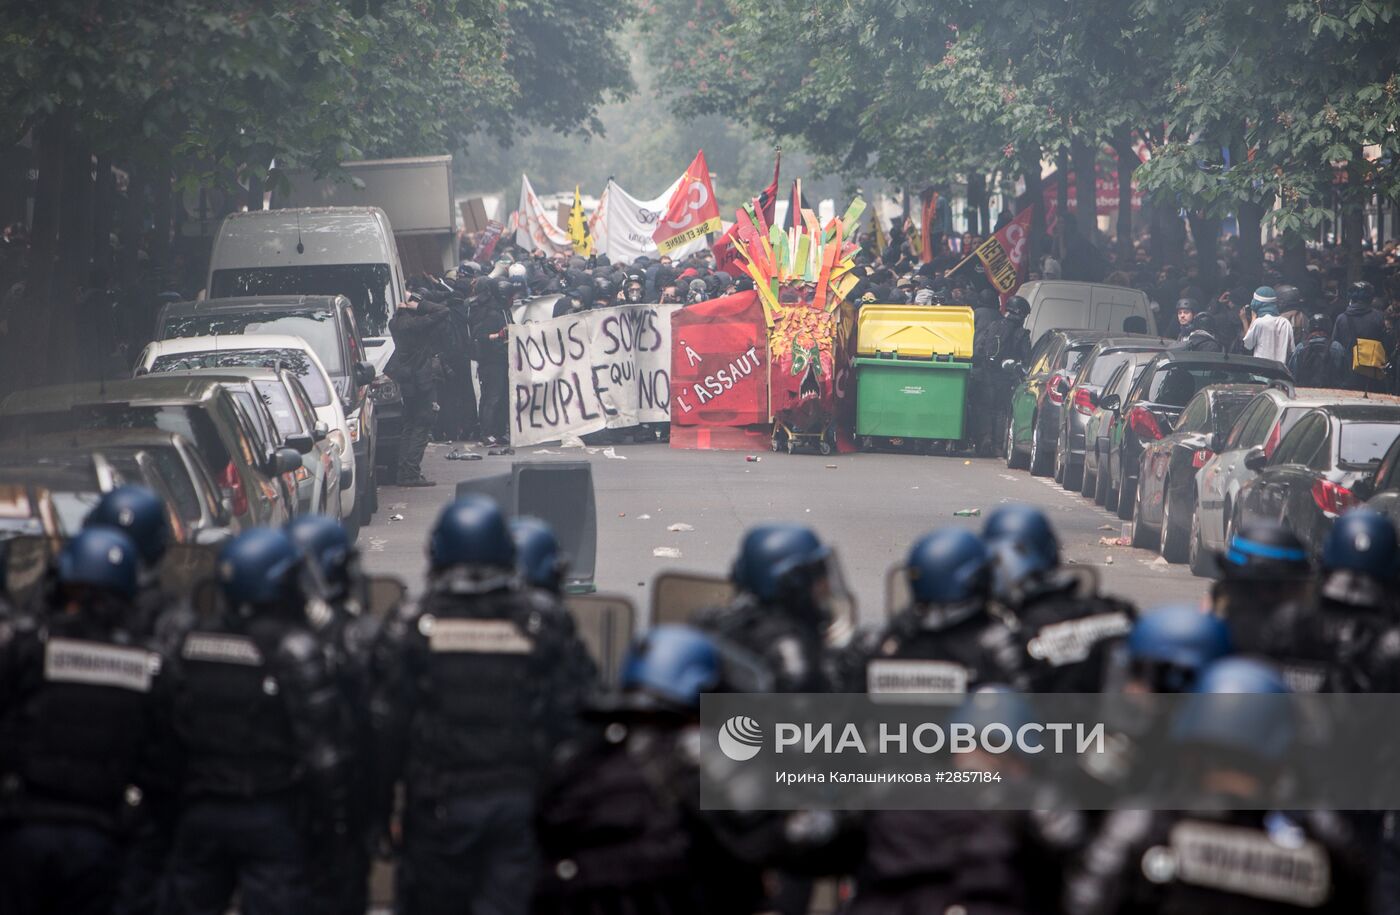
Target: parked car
1384, 490
198, 409
1098, 428
1150, 408
1036, 401
1079, 400
388, 406
330, 325
266, 351
1064, 303
68, 485
1321, 468
1259, 428
1166, 491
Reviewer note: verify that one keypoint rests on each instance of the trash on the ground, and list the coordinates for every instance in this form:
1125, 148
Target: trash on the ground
1160, 562
644, 517
1105, 527
830, 466
396, 517
968, 513
681, 528
1108, 560
1007, 476
1127, 532
612, 453
622, 514
1115, 541
570, 441
966, 463
753, 458
666, 552
543, 451
497, 452
464, 456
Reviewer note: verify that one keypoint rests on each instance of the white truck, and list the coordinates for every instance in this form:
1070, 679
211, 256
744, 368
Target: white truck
416, 195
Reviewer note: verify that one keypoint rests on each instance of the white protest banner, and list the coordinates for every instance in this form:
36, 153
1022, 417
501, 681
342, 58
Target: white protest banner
606, 368
622, 226
535, 228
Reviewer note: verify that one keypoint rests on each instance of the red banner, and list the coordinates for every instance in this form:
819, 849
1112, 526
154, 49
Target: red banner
693, 211
719, 363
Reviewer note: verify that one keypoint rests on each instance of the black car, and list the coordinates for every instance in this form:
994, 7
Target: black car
1151, 407
1037, 401
1323, 467
1082, 397
327, 324
1384, 488
1166, 491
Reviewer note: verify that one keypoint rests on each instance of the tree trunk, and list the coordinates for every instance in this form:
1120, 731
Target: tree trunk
73, 272
162, 205
1353, 222
1205, 231
1086, 204
1127, 164
1061, 200
14, 179
977, 222
31, 323
1035, 190
132, 219
1250, 214
105, 202
1295, 261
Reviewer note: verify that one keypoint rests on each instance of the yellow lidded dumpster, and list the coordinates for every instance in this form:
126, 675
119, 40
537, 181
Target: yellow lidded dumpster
912, 364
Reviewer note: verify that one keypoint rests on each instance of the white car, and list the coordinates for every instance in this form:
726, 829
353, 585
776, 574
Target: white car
183, 354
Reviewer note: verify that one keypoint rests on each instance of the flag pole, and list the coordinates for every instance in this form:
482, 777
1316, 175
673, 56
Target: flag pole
963, 261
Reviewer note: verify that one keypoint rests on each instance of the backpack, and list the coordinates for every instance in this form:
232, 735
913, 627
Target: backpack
1368, 358
1312, 370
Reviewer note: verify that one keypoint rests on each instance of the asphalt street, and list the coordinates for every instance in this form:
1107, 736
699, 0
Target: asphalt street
870, 506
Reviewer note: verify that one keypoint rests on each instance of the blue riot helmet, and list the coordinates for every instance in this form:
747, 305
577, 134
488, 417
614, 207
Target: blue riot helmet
1359, 560
948, 566
101, 559
670, 666
471, 533
538, 557
1168, 648
782, 564
1263, 567
140, 513
1029, 531
1239, 707
258, 570
325, 543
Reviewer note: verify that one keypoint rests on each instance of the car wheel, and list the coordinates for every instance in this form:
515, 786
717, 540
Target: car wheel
1014, 460
1088, 485
1202, 562
1127, 493
1073, 477
1174, 542
1110, 490
1059, 464
1144, 535
1040, 461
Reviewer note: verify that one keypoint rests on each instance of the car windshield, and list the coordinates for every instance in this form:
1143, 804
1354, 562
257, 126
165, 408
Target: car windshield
190, 421
315, 326
294, 360
279, 404
365, 285
1176, 384
1364, 443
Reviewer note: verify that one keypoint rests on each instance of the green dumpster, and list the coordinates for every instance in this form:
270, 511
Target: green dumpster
912, 367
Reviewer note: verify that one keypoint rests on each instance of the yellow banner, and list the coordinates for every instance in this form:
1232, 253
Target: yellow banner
999, 268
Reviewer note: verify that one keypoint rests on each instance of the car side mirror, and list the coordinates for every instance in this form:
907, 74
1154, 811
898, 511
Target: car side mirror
284, 460
364, 373
1111, 403
300, 442
320, 430
1256, 460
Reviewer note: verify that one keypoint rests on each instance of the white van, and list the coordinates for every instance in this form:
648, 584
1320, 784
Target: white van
1062, 305
347, 251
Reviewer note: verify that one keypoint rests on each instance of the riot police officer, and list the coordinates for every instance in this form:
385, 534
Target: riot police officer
1003, 341
787, 582
620, 827
79, 703
540, 561
490, 319
487, 678
339, 864
1064, 624
1213, 860
141, 515
948, 640
259, 718
1264, 571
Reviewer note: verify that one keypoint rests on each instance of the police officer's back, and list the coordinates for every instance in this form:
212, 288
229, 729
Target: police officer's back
79, 703
786, 580
489, 678
490, 319
1265, 574
259, 720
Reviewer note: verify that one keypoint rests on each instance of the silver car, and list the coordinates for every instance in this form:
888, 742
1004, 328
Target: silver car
318, 479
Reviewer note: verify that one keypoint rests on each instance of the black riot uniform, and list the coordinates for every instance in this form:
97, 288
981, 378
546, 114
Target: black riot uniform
485, 679
787, 584
490, 318
990, 386
258, 717
80, 703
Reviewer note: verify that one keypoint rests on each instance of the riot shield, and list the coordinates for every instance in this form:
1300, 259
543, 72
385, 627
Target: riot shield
605, 623
27, 560
677, 596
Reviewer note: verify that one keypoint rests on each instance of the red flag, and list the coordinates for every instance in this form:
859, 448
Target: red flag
930, 209
727, 259
693, 211
1003, 256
